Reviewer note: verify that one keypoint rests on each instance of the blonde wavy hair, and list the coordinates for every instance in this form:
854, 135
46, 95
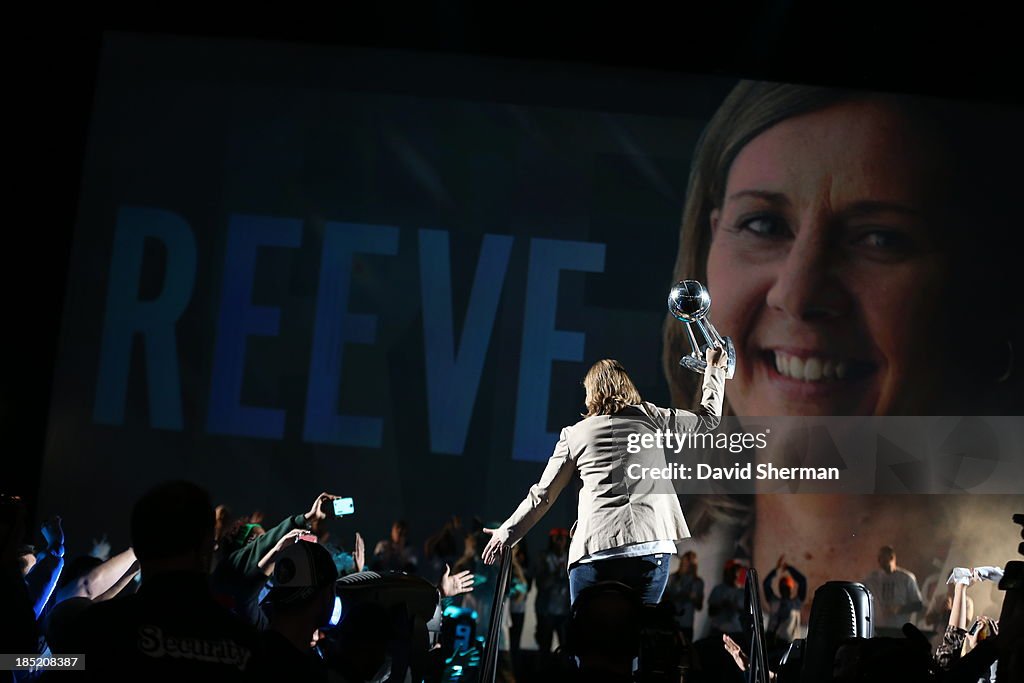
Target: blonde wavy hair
609, 388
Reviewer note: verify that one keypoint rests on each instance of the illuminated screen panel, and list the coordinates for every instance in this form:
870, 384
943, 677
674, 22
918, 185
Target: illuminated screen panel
384, 275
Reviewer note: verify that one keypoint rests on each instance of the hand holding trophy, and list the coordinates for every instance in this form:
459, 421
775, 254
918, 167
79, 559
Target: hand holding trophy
690, 302
716, 358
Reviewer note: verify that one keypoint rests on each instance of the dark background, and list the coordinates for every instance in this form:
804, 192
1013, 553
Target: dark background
52, 63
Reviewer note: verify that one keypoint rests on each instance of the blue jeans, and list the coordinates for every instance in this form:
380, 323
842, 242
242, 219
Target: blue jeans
646, 574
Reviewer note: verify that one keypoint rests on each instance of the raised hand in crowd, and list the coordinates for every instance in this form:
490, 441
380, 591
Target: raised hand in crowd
734, 650
101, 548
359, 552
456, 584
53, 532
739, 656
266, 562
100, 580
321, 508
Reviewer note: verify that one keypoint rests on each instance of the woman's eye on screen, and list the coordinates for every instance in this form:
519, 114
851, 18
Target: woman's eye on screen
763, 226
885, 243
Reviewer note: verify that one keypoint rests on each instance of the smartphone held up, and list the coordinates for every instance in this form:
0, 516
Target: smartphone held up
344, 506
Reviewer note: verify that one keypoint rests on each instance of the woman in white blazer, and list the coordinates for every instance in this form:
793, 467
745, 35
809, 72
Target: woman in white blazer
622, 533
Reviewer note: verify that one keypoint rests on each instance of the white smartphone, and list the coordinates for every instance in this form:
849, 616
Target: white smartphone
344, 506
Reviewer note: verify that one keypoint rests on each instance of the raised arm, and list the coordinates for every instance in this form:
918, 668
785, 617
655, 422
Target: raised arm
120, 584
801, 583
99, 579
246, 560
958, 613
266, 563
557, 473
948, 651
42, 578
709, 413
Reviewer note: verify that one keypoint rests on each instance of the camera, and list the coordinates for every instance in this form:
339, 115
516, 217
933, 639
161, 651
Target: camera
344, 506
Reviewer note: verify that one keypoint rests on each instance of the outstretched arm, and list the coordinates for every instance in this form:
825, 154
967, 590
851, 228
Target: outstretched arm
557, 474
958, 613
266, 563
120, 584
246, 560
100, 579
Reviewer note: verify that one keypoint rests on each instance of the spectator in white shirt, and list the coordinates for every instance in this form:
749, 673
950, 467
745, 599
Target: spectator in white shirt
896, 595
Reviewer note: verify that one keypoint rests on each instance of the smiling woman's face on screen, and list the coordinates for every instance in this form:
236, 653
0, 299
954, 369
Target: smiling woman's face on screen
826, 270
857, 250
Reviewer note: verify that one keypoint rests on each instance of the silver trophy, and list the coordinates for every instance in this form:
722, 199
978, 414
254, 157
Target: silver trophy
690, 302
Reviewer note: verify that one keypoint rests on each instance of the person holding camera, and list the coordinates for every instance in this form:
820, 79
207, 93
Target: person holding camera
248, 554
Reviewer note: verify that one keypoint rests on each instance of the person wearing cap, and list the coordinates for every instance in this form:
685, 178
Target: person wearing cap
626, 527
300, 602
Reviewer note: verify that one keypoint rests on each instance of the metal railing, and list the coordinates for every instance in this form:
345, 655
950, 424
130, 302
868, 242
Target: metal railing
489, 669
757, 669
